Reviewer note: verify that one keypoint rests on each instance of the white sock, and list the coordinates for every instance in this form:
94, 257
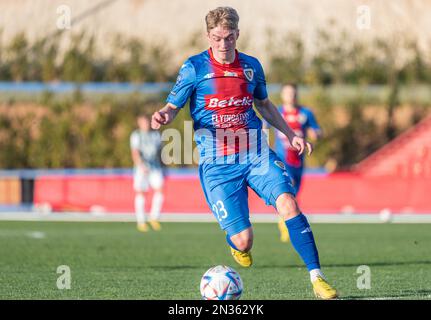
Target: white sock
140, 208
316, 273
156, 205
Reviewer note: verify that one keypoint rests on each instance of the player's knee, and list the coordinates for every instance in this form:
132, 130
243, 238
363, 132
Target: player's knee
244, 245
287, 206
243, 242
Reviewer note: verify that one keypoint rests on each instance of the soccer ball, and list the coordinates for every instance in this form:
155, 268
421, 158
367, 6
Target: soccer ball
221, 283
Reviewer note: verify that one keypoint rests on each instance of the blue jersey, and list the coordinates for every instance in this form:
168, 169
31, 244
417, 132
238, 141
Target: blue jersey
221, 97
299, 120
221, 100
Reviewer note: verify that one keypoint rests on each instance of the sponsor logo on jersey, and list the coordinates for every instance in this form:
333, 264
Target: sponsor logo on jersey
248, 72
246, 101
230, 74
230, 120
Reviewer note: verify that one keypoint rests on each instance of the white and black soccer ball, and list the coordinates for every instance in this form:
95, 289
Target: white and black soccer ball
221, 283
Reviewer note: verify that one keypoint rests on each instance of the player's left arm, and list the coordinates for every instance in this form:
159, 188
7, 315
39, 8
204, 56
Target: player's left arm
314, 134
269, 112
313, 129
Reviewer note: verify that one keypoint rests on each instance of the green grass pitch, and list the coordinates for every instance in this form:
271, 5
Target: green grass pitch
115, 261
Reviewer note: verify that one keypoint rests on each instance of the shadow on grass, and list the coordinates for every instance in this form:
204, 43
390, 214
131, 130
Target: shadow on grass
344, 265
406, 294
257, 266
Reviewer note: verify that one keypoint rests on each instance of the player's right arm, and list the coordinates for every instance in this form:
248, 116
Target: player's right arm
164, 116
313, 129
270, 113
178, 97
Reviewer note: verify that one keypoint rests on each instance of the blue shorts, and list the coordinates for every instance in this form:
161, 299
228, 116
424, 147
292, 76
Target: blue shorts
296, 174
225, 187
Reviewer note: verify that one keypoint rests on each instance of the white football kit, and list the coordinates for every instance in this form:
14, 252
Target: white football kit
148, 144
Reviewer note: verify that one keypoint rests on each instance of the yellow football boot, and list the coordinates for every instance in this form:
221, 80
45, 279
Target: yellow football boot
155, 225
284, 233
143, 227
244, 259
323, 290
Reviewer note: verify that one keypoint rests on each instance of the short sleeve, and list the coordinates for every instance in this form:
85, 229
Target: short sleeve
134, 141
260, 92
312, 122
184, 85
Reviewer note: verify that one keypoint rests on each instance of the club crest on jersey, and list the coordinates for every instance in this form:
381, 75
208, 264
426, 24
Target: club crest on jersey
249, 74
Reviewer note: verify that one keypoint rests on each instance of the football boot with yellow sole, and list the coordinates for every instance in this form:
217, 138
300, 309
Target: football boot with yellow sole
244, 259
323, 290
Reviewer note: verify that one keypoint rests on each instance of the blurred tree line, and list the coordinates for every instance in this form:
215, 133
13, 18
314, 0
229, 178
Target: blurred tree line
339, 59
130, 60
75, 132
336, 59
70, 133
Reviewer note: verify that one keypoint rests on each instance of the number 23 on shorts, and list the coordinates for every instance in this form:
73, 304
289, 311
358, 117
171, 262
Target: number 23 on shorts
219, 209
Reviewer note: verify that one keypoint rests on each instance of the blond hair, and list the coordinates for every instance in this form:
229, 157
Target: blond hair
226, 17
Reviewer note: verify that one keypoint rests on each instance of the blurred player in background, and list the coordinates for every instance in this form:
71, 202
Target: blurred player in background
304, 124
146, 146
222, 85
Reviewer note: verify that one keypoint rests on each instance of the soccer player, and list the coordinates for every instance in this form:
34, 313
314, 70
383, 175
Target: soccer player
303, 123
145, 145
222, 85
